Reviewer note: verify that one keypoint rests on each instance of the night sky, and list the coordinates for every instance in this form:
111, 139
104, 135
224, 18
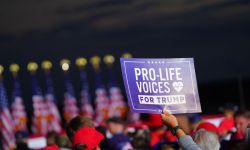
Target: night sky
215, 32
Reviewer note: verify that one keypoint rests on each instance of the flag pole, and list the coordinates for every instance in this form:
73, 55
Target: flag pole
85, 100
8, 140
54, 115
70, 109
18, 108
101, 98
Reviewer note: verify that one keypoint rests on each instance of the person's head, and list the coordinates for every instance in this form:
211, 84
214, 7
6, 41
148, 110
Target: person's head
208, 127
141, 139
206, 140
63, 141
228, 110
22, 145
51, 138
194, 121
229, 113
83, 135
76, 123
242, 120
116, 125
87, 138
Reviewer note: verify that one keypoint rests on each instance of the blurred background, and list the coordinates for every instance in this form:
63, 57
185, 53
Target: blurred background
215, 32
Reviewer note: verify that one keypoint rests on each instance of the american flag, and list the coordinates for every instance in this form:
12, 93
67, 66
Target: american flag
86, 107
133, 118
40, 124
54, 115
101, 99
70, 103
6, 125
18, 109
118, 106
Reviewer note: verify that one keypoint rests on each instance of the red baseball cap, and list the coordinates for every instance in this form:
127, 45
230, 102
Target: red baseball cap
208, 126
87, 136
154, 120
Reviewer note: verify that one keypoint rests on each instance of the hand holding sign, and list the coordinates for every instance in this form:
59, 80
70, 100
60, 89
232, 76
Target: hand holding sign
169, 119
156, 84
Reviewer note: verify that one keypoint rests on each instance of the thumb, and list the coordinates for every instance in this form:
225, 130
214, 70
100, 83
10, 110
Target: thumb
166, 112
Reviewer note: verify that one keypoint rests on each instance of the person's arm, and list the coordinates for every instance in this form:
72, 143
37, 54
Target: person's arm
247, 136
185, 141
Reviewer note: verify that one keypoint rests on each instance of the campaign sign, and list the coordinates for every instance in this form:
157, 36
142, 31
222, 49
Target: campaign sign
154, 85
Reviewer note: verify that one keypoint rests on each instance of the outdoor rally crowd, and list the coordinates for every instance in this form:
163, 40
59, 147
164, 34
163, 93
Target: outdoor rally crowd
156, 132
109, 125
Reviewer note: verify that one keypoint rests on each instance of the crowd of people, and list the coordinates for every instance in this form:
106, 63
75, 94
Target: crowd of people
154, 132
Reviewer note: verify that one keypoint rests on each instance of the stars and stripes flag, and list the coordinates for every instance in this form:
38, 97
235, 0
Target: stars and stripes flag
118, 107
6, 124
101, 99
70, 109
54, 115
133, 117
86, 107
40, 119
18, 109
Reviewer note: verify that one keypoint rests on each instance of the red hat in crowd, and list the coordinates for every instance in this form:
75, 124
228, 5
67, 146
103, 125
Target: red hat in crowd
87, 136
208, 126
52, 147
154, 120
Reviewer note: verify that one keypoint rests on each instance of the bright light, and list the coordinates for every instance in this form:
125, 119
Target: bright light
65, 67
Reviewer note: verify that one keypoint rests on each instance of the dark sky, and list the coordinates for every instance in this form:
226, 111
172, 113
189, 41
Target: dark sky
215, 32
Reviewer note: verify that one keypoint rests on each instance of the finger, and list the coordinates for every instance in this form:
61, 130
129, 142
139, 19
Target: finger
166, 112
162, 116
